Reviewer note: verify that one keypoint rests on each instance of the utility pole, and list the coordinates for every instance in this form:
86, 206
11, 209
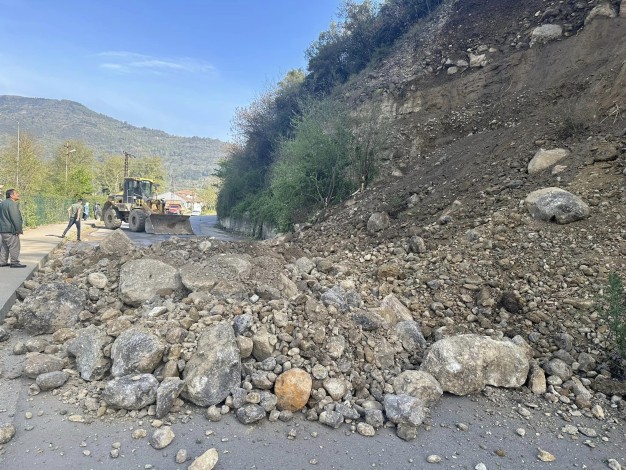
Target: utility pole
67, 161
126, 157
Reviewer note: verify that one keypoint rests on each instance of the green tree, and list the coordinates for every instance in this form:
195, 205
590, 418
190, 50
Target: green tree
28, 174
150, 167
71, 170
109, 174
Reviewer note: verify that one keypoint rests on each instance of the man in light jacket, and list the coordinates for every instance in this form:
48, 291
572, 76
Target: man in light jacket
75, 211
10, 230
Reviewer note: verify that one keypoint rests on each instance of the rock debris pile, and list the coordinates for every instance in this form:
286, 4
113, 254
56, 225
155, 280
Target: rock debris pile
265, 330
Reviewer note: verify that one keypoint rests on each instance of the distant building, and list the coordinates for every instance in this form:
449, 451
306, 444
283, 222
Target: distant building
186, 197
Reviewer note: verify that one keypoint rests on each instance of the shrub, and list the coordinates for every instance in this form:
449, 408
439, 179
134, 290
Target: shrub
613, 307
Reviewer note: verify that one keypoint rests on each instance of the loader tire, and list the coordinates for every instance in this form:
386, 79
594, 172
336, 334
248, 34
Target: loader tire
137, 220
111, 219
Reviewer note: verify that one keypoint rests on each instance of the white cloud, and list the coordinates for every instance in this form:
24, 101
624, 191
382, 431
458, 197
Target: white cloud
125, 61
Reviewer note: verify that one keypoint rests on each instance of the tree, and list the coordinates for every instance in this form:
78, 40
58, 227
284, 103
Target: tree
71, 170
109, 174
30, 170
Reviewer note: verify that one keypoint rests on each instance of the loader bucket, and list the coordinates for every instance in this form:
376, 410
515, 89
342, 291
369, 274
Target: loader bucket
169, 223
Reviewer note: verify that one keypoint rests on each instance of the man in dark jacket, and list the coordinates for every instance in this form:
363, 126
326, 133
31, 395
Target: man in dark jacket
10, 230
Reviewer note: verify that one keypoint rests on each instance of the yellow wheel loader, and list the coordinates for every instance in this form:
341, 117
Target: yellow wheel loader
140, 208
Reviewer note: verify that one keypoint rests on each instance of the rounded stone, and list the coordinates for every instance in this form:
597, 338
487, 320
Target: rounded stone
293, 389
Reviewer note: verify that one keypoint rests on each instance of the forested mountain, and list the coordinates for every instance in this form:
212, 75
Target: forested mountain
52, 122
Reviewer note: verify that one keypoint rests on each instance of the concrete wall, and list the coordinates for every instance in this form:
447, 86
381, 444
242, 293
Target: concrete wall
244, 226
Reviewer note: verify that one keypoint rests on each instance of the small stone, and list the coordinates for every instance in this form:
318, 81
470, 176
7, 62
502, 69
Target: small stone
181, 456
614, 464
480, 466
365, 429
115, 453
545, 456
206, 461
139, 434
462, 426
589, 432
501, 453
597, 411
162, 437
433, 459
520, 432
76, 419
7, 431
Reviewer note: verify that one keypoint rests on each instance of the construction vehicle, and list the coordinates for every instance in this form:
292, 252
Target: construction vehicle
142, 210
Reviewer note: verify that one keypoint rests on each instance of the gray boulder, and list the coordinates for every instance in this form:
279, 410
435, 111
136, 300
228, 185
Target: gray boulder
51, 380
37, 364
116, 245
545, 33
378, 221
556, 205
142, 279
250, 413
418, 384
51, 307
87, 348
167, 393
544, 159
466, 363
131, 392
136, 352
410, 335
404, 409
602, 10
215, 368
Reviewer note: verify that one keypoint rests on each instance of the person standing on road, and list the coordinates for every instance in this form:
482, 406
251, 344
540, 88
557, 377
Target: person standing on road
10, 230
97, 211
75, 211
86, 211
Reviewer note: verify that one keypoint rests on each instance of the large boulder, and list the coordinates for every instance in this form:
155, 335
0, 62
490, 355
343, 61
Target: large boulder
116, 244
466, 363
544, 159
556, 205
87, 347
131, 392
215, 368
418, 384
50, 307
136, 352
602, 10
378, 221
545, 33
142, 279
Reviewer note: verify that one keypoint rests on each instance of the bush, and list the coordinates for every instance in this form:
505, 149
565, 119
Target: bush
312, 168
43, 209
613, 307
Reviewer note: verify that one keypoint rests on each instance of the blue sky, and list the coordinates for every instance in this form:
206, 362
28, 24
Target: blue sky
178, 66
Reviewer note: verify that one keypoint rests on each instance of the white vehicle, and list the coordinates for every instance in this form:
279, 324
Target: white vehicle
197, 209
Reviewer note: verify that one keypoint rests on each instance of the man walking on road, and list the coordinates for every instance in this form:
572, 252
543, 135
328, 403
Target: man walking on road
75, 211
10, 230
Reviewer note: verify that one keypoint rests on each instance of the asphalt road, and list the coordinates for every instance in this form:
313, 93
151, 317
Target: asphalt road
203, 226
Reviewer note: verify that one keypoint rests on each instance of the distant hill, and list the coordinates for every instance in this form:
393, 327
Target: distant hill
52, 122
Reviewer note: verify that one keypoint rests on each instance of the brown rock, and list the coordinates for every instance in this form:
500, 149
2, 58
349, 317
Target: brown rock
293, 388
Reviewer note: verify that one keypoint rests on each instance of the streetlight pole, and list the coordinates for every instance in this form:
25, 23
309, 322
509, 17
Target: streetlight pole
17, 163
67, 159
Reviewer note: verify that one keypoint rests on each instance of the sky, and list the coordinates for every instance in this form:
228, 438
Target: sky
180, 66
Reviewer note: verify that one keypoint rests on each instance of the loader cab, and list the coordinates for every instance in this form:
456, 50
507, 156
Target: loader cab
136, 189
